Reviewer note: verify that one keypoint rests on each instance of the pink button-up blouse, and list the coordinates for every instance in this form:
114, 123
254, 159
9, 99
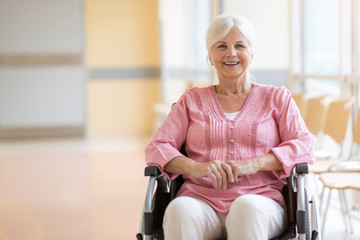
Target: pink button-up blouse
269, 121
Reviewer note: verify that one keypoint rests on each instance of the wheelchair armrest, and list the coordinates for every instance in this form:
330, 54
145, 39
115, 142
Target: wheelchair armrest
302, 168
154, 175
152, 171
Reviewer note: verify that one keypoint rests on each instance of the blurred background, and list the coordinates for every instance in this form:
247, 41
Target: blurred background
84, 84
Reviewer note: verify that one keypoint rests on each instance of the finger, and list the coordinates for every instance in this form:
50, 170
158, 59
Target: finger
236, 170
237, 174
223, 174
218, 176
213, 179
229, 171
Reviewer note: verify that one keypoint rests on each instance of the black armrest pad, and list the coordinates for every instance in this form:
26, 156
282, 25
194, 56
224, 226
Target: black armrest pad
302, 168
152, 171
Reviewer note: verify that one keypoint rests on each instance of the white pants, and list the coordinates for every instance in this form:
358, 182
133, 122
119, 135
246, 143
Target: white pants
251, 217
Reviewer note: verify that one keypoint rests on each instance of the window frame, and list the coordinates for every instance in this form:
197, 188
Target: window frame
349, 74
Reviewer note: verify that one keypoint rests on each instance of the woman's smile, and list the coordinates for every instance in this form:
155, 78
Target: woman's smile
231, 63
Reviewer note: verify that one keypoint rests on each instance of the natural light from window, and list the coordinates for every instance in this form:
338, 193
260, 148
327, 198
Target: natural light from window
322, 37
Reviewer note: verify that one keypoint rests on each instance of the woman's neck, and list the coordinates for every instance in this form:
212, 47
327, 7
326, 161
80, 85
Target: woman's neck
233, 87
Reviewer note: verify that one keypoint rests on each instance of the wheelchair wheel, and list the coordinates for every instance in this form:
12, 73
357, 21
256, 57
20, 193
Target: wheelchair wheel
307, 216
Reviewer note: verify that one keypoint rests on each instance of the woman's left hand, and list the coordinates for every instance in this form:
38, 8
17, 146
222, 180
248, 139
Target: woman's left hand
266, 162
243, 168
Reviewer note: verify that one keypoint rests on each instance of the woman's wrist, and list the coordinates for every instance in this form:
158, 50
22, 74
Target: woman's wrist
181, 165
190, 167
267, 162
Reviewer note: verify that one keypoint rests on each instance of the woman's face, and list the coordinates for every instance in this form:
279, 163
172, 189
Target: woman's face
232, 55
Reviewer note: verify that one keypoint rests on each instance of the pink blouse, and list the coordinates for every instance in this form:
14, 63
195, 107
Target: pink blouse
269, 121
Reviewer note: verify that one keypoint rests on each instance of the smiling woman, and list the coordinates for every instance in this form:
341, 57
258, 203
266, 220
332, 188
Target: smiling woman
235, 163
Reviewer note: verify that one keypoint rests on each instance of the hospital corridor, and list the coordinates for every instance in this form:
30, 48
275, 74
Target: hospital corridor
85, 85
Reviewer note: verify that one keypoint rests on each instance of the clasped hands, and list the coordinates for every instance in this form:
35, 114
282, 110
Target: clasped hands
221, 173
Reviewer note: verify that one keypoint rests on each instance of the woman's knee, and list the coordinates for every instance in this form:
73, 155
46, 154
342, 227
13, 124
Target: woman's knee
190, 218
247, 205
254, 215
179, 209
178, 218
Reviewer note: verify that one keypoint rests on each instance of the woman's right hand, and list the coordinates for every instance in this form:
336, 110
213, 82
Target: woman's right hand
220, 173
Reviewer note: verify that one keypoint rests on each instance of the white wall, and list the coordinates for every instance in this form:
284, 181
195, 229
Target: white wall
36, 97
41, 95
41, 26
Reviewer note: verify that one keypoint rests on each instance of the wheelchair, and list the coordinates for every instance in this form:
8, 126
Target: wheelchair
302, 213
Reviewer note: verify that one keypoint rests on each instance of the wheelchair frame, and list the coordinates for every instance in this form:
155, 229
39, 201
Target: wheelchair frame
303, 218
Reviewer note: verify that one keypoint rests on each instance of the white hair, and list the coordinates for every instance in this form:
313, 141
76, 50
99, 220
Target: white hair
222, 25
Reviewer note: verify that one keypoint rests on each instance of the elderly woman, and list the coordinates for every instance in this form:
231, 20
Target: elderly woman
241, 138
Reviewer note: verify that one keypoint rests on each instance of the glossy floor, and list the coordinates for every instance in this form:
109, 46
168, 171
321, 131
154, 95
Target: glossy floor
71, 189
82, 189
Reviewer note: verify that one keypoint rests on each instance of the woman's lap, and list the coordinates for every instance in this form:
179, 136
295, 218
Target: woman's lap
250, 217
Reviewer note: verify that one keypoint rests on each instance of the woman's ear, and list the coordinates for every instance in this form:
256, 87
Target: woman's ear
210, 61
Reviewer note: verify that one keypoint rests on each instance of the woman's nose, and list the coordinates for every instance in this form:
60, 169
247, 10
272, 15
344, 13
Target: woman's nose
231, 52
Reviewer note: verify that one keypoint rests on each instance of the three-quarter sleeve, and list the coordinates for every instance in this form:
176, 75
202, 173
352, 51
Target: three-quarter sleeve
169, 138
297, 142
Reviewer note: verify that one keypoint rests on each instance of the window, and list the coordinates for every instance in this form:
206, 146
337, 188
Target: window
315, 86
322, 37
322, 49
183, 49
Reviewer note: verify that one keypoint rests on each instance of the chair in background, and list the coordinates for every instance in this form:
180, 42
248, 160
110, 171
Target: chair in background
337, 120
340, 181
356, 136
338, 173
300, 100
336, 125
315, 116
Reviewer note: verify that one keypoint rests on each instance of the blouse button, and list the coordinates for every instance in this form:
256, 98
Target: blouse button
231, 127
231, 152
232, 140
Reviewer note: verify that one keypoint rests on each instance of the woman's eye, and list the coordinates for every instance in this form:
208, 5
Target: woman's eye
239, 46
222, 46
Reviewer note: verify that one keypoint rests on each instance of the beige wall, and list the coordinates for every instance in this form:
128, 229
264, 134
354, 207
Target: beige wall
121, 35
123, 107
